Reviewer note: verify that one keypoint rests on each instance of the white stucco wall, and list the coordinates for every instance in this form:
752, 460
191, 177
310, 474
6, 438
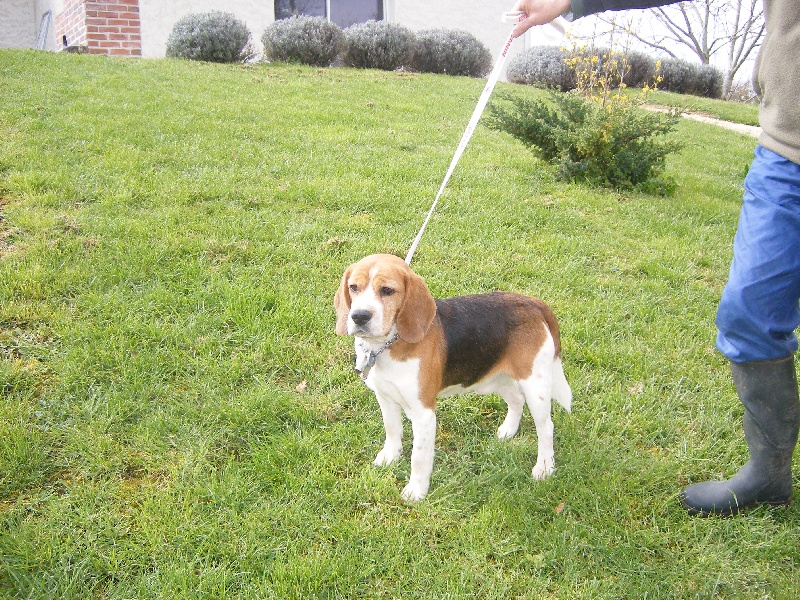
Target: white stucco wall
17, 29
19, 22
159, 17
481, 18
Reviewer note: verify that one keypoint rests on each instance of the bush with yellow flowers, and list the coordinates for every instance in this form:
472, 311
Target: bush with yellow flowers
595, 132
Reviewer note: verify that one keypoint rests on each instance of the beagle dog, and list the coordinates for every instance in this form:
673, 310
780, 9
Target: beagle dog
411, 349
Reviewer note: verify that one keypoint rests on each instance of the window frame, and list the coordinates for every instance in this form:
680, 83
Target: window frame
385, 7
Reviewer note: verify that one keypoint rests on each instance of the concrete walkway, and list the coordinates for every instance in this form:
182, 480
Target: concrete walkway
750, 130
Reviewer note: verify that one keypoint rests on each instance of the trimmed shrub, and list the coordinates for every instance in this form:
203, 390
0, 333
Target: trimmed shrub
614, 145
451, 52
379, 45
542, 65
555, 67
709, 82
308, 40
213, 37
677, 76
641, 69
684, 77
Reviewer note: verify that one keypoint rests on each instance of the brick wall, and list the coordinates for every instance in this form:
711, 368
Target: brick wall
71, 24
102, 26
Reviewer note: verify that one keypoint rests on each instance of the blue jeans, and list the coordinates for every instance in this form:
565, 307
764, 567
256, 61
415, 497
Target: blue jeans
759, 310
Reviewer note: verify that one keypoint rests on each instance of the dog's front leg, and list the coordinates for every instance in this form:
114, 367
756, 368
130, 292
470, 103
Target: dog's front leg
393, 423
423, 425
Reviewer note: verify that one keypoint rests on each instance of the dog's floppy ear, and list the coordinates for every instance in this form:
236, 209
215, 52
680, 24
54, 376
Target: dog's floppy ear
418, 310
341, 302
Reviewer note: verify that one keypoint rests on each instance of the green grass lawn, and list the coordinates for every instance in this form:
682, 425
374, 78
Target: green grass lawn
178, 419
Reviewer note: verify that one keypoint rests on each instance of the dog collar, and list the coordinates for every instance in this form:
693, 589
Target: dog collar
366, 359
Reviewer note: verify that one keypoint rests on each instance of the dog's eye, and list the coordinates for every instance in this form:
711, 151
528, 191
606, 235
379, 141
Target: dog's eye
353, 288
387, 291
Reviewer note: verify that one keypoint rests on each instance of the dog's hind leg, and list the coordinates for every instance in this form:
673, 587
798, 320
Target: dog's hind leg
538, 391
515, 399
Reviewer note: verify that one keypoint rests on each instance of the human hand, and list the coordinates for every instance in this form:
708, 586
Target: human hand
539, 12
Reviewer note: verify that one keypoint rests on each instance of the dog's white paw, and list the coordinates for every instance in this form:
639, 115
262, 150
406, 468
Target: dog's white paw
414, 492
543, 468
506, 431
387, 456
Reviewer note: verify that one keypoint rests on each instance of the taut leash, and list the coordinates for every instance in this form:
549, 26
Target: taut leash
514, 17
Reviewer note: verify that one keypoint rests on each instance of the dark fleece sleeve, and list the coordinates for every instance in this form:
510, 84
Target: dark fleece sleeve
583, 8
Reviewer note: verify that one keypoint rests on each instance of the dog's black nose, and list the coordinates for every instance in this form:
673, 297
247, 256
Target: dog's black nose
360, 317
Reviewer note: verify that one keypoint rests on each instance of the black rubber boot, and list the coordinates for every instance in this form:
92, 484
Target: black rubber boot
768, 391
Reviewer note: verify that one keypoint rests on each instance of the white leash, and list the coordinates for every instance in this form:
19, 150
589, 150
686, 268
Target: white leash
514, 17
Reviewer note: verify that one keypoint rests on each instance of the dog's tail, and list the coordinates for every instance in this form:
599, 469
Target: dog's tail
562, 393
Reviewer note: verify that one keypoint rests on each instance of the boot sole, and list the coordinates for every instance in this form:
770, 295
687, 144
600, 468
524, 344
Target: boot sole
699, 512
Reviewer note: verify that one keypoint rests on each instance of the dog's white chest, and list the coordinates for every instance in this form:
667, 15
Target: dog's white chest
393, 379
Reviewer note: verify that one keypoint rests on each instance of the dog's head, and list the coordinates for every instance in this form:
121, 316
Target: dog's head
377, 294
